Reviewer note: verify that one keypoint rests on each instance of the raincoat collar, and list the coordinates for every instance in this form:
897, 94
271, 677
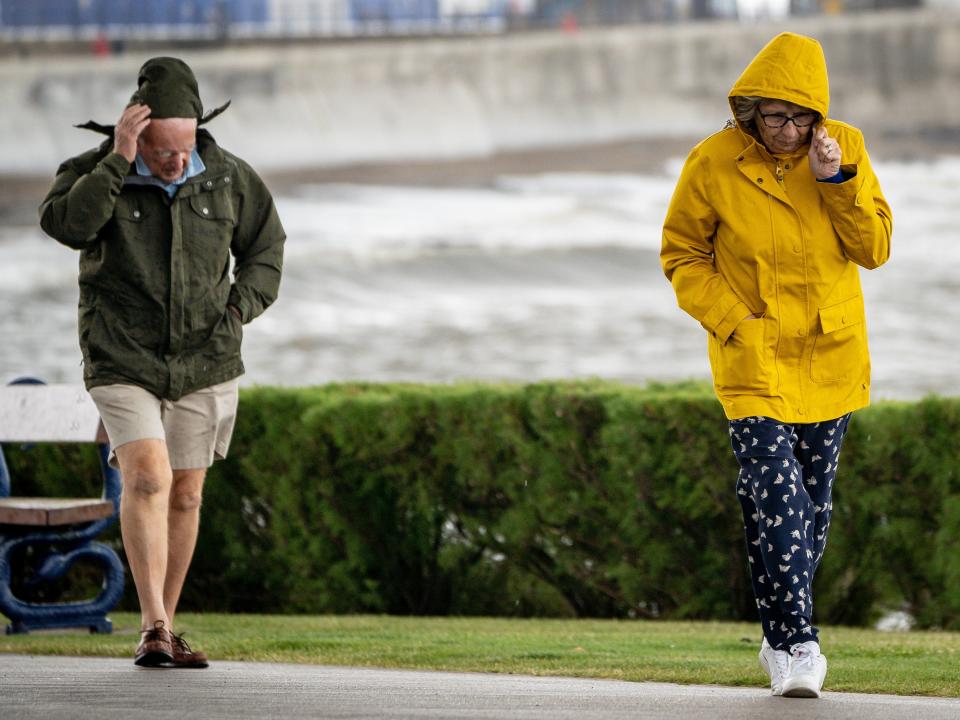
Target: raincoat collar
194, 167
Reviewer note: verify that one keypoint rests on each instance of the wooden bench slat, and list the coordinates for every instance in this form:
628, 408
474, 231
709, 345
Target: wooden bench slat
52, 511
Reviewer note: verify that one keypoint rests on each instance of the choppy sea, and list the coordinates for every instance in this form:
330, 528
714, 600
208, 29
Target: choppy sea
529, 277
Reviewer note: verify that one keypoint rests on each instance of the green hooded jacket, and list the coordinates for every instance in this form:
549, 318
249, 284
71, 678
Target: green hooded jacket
155, 275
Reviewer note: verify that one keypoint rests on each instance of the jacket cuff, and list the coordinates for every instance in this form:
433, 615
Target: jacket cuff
848, 190
728, 324
237, 301
116, 164
838, 178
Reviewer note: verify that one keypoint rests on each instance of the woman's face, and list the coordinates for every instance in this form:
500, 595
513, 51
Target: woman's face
796, 123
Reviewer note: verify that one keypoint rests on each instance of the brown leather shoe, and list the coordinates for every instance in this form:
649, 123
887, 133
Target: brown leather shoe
155, 648
184, 657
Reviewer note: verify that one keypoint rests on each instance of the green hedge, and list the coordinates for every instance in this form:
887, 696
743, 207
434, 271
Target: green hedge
558, 499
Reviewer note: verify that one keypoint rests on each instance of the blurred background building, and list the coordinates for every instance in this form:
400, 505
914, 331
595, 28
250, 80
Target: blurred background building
116, 21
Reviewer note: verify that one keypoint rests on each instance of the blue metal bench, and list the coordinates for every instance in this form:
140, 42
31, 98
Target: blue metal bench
55, 532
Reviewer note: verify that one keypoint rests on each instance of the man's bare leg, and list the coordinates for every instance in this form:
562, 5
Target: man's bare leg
144, 507
183, 523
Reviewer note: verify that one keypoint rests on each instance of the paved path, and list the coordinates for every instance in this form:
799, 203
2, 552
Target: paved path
51, 688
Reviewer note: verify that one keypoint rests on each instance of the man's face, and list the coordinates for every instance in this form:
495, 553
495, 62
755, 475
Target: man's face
165, 146
793, 133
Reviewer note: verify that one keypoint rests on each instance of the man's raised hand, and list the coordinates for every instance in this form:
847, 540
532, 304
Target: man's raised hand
128, 128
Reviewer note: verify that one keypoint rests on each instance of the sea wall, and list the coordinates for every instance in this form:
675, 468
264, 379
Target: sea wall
338, 103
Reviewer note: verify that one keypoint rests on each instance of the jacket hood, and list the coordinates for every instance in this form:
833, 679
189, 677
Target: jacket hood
790, 67
168, 86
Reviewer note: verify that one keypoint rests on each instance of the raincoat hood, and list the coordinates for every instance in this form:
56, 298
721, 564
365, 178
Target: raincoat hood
790, 67
169, 88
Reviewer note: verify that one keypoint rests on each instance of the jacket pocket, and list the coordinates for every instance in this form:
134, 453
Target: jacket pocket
86, 317
129, 209
228, 337
214, 206
744, 363
123, 338
214, 330
121, 313
207, 228
840, 350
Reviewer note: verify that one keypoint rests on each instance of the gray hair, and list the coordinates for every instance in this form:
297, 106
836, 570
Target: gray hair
745, 110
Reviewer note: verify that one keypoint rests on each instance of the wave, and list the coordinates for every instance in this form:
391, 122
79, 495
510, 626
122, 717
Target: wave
517, 214
531, 277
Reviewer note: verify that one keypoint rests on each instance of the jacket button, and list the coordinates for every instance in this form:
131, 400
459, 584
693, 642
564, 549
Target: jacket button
760, 180
209, 183
796, 248
788, 167
136, 214
206, 211
226, 180
740, 159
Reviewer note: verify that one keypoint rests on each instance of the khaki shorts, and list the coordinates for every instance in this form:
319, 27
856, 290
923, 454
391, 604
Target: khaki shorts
196, 428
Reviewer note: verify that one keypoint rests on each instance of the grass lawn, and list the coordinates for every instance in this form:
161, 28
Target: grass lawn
916, 663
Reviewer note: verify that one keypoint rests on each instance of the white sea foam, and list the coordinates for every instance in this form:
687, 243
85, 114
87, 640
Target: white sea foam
534, 277
519, 214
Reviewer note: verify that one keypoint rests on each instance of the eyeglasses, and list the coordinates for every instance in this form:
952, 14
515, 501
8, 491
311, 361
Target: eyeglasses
775, 121
169, 154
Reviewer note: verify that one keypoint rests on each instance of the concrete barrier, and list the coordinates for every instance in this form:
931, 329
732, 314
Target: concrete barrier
333, 104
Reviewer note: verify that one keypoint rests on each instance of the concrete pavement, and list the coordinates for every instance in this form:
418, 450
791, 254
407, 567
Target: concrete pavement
51, 688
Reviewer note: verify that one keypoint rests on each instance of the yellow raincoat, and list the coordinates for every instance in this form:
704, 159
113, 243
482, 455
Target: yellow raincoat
749, 232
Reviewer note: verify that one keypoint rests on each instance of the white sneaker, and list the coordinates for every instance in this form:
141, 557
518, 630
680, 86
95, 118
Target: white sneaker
776, 663
808, 668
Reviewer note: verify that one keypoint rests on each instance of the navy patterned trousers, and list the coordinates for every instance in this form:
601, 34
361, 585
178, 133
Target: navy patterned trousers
784, 487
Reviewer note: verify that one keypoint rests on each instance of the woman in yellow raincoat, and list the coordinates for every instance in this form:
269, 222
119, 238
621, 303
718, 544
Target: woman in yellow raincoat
770, 219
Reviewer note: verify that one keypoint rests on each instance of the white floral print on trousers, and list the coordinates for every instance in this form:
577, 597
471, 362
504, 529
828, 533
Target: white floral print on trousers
784, 487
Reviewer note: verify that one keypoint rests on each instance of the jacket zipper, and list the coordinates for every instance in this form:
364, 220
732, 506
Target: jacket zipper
779, 173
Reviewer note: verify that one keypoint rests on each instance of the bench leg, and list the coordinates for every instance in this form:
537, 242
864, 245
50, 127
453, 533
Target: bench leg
103, 625
28, 616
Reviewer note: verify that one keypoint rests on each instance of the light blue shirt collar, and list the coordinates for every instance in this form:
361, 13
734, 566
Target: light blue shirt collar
195, 166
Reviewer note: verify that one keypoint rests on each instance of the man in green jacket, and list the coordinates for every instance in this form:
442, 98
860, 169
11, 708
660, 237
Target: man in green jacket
157, 212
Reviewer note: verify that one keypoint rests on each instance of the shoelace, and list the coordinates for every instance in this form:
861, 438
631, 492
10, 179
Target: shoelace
154, 633
181, 643
802, 658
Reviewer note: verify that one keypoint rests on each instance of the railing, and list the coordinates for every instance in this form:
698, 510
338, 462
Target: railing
219, 20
